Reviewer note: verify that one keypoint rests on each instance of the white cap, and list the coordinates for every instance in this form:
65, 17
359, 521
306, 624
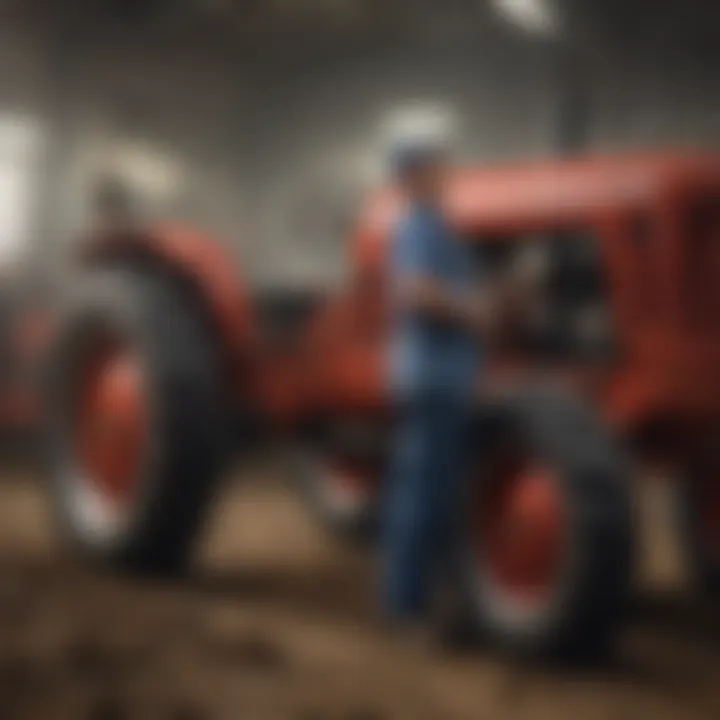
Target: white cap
417, 131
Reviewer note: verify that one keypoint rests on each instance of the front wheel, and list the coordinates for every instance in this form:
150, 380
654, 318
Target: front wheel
546, 552
134, 425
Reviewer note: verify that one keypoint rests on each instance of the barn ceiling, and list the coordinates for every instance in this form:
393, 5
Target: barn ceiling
624, 24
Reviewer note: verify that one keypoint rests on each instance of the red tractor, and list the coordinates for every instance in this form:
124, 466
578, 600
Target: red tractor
163, 359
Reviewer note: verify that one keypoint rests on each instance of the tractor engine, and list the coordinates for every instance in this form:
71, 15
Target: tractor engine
568, 318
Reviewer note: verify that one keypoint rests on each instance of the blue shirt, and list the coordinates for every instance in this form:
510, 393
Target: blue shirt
428, 355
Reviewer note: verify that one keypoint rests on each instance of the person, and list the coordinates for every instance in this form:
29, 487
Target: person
439, 320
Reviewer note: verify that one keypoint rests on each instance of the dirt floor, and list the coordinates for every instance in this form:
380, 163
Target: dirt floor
275, 623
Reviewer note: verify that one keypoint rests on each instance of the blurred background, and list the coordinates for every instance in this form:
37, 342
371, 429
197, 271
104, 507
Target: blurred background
260, 120
264, 122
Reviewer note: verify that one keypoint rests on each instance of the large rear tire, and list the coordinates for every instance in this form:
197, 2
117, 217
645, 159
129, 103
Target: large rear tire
546, 556
135, 430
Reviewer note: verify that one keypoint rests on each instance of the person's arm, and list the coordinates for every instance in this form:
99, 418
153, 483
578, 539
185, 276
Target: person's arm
418, 289
426, 296
486, 310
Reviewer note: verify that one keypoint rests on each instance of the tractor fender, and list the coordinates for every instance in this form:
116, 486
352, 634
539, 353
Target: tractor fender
197, 261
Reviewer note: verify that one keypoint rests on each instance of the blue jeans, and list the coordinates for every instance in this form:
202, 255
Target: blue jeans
423, 493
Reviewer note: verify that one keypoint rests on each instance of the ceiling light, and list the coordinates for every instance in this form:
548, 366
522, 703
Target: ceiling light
535, 17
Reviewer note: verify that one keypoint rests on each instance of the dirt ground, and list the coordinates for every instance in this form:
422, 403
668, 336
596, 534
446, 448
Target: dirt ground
276, 623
